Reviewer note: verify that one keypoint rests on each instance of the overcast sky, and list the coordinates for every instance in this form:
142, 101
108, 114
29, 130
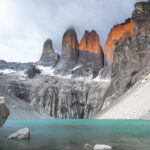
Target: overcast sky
26, 24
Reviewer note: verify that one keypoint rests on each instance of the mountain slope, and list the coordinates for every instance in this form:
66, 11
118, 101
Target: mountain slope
135, 104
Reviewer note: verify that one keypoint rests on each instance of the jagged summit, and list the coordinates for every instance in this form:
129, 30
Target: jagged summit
48, 47
69, 44
90, 54
141, 14
69, 53
49, 57
116, 36
87, 54
90, 42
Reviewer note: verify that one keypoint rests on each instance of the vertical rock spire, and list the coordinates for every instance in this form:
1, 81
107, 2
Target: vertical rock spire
69, 44
49, 57
90, 42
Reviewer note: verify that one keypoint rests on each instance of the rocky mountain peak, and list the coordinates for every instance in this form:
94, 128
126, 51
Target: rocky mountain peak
48, 47
48, 54
116, 36
90, 42
69, 43
141, 15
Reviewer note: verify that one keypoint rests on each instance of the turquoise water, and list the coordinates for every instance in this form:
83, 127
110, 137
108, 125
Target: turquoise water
55, 134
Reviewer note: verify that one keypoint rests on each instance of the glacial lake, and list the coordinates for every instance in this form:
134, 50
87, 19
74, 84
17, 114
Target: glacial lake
57, 134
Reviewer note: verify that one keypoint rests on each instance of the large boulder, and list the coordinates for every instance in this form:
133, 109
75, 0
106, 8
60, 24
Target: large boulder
102, 147
32, 72
21, 134
4, 111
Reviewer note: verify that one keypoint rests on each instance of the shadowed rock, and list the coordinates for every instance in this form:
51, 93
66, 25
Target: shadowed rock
90, 55
69, 44
141, 15
69, 52
49, 57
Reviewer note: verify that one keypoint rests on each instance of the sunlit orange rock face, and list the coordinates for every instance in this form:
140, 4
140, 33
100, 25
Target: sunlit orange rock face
70, 36
90, 42
116, 36
69, 43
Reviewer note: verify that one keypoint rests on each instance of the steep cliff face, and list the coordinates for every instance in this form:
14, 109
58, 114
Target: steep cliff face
116, 36
61, 98
49, 57
90, 42
69, 44
132, 56
90, 54
141, 15
69, 53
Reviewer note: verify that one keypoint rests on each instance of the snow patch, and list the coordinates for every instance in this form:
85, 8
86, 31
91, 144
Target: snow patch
46, 70
98, 79
76, 67
7, 71
64, 77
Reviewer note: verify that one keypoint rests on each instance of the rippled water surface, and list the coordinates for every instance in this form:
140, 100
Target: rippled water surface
55, 134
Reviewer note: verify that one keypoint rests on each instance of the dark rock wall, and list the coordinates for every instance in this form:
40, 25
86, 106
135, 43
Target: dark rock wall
49, 57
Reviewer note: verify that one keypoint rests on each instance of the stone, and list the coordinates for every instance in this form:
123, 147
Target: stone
4, 111
49, 57
102, 147
21, 134
32, 72
87, 146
